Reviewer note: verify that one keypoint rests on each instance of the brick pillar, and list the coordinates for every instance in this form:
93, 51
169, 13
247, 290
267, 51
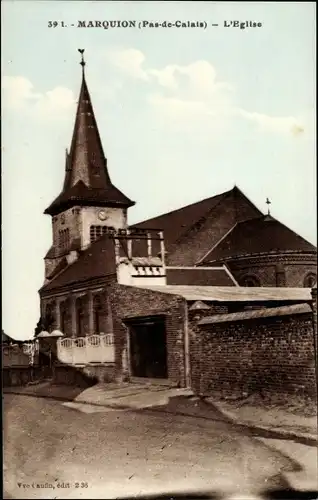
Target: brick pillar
73, 316
57, 315
314, 317
314, 307
42, 307
90, 311
109, 316
198, 380
280, 275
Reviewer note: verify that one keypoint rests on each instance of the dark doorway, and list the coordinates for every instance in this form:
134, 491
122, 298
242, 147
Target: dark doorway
148, 348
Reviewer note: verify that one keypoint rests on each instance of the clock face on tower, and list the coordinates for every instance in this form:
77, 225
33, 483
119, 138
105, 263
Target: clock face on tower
102, 215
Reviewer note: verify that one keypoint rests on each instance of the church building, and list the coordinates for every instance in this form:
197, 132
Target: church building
104, 276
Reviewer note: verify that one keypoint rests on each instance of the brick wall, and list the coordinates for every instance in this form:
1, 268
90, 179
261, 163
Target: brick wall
198, 276
314, 320
267, 271
68, 219
296, 273
218, 309
130, 302
272, 355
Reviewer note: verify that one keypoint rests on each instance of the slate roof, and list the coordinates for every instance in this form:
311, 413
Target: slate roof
97, 261
82, 195
53, 252
259, 235
259, 313
233, 293
61, 265
190, 231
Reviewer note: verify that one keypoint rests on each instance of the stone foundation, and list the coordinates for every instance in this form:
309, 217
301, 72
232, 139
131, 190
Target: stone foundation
84, 376
21, 376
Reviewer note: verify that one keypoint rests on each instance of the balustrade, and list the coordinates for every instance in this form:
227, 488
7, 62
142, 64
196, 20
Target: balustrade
84, 350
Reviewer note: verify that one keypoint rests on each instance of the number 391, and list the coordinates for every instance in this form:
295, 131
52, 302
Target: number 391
54, 24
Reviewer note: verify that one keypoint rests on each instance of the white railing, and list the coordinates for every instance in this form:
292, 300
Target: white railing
84, 350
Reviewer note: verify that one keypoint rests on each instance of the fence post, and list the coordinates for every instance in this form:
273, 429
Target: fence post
86, 350
72, 351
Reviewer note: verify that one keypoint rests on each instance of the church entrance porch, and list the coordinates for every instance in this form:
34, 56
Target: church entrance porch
148, 348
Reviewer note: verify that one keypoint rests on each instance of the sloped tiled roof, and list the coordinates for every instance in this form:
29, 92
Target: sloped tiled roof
233, 293
54, 252
191, 231
97, 261
260, 235
259, 313
59, 268
80, 194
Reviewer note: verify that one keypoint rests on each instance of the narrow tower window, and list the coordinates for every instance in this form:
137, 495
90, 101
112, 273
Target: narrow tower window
97, 231
64, 239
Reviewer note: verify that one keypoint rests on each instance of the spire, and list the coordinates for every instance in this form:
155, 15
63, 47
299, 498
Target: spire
87, 159
86, 175
82, 63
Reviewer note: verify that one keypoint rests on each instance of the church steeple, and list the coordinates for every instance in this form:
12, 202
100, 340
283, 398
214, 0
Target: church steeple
87, 181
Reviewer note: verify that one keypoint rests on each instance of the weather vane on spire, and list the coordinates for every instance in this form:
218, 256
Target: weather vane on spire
268, 203
82, 63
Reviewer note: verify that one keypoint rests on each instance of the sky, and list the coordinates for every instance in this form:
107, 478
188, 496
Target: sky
184, 113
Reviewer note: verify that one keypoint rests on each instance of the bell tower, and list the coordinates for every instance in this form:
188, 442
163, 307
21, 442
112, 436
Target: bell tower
89, 203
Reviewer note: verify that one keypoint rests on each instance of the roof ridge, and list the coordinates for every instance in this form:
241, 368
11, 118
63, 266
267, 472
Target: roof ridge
274, 219
236, 188
209, 211
203, 217
180, 208
217, 243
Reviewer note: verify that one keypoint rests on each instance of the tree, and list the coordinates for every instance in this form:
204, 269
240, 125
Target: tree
45, 323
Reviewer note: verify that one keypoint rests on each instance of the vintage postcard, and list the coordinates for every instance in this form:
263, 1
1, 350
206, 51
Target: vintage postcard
159, 334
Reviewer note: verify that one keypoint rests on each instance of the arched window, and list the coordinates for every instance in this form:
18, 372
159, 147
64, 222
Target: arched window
79, 306
310, 280
97, 309
250, 280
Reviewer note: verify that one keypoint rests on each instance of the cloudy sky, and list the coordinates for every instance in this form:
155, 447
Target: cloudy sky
184, 114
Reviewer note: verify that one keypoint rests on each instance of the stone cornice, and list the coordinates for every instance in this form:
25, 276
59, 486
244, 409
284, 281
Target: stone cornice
77, 287
272, 258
